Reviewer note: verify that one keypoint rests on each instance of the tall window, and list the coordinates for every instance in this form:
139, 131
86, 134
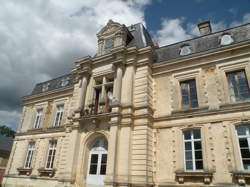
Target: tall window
29, 156
59, 114
243, 132
98, 158
189, 94
103, 94
238, 86
109, 44
193, 150
51, 154
39, 114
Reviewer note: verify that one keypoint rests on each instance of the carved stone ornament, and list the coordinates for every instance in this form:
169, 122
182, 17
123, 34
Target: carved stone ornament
24, 171
110, 28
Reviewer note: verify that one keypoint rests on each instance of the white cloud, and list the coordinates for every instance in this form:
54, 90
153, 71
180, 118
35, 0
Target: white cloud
245, 19
176, 30
10, 118
41, 39
172, 31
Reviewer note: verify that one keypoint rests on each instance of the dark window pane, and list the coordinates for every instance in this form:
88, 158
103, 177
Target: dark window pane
194, 103
94, 158
246, 164
197, 134
93, 169
188, 155
197, 145
189, 165
199, 165
103, 169
187, 135
241, 130
52, 159
188, 146
245, 153
198, 154
243, 143
104, 158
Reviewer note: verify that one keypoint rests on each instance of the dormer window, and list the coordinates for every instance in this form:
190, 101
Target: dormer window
185, 50
65, 81
226, 39
45, 87
109, 43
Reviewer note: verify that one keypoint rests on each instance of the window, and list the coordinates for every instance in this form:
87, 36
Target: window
243, 132
59, 114
238, 86
98, 158
39, 114
108, 45
226, 39
51, 154
45, 87
30, 152
65, 81
193, 150
103, 94
185, 50
189, 95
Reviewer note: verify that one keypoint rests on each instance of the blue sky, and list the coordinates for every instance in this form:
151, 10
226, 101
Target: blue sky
196, 11
42, 39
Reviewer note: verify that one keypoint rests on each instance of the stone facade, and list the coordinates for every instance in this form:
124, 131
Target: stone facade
130, 96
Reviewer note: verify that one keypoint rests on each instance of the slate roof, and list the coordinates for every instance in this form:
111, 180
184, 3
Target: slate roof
141, 39
5, 143
141, 36
54, 84
204, 43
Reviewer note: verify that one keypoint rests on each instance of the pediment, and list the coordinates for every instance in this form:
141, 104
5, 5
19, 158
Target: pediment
111, 28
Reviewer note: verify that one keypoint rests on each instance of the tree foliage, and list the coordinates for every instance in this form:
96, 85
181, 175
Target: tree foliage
6, 131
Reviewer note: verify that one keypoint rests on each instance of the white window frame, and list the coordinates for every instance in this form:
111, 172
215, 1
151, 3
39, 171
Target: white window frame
247, 136
29, 155
232, 96
58, 115
39, 115
192, 140
51, 159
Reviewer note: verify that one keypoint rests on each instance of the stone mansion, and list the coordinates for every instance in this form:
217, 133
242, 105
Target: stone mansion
137, 114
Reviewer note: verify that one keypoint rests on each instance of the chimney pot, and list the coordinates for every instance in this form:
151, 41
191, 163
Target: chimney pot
205, 28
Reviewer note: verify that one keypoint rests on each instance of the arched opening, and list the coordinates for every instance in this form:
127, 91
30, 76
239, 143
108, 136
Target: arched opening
97, 161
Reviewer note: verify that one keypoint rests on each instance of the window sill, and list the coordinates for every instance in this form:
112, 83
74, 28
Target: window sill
189, 110
47, 172
55, 128
35, 130
194, 176
235, 105
241, 177
24, 171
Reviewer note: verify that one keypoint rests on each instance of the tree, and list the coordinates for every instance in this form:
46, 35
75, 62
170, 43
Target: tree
6, 131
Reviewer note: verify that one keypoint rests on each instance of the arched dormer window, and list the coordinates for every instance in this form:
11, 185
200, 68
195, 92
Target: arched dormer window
226, 39
185, 50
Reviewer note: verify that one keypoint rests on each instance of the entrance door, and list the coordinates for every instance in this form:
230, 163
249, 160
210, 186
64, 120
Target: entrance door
97, 162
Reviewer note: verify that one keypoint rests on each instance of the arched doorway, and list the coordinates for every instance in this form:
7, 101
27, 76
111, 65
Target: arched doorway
97, 162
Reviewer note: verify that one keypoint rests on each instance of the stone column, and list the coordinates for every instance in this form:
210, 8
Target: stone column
118, 83
82, 93
112, 151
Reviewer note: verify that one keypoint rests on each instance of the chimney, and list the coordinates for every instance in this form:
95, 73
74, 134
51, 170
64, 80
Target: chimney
156, 44
205, 28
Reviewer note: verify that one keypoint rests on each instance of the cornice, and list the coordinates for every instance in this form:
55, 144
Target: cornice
41, 131
201, 112
63, 92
